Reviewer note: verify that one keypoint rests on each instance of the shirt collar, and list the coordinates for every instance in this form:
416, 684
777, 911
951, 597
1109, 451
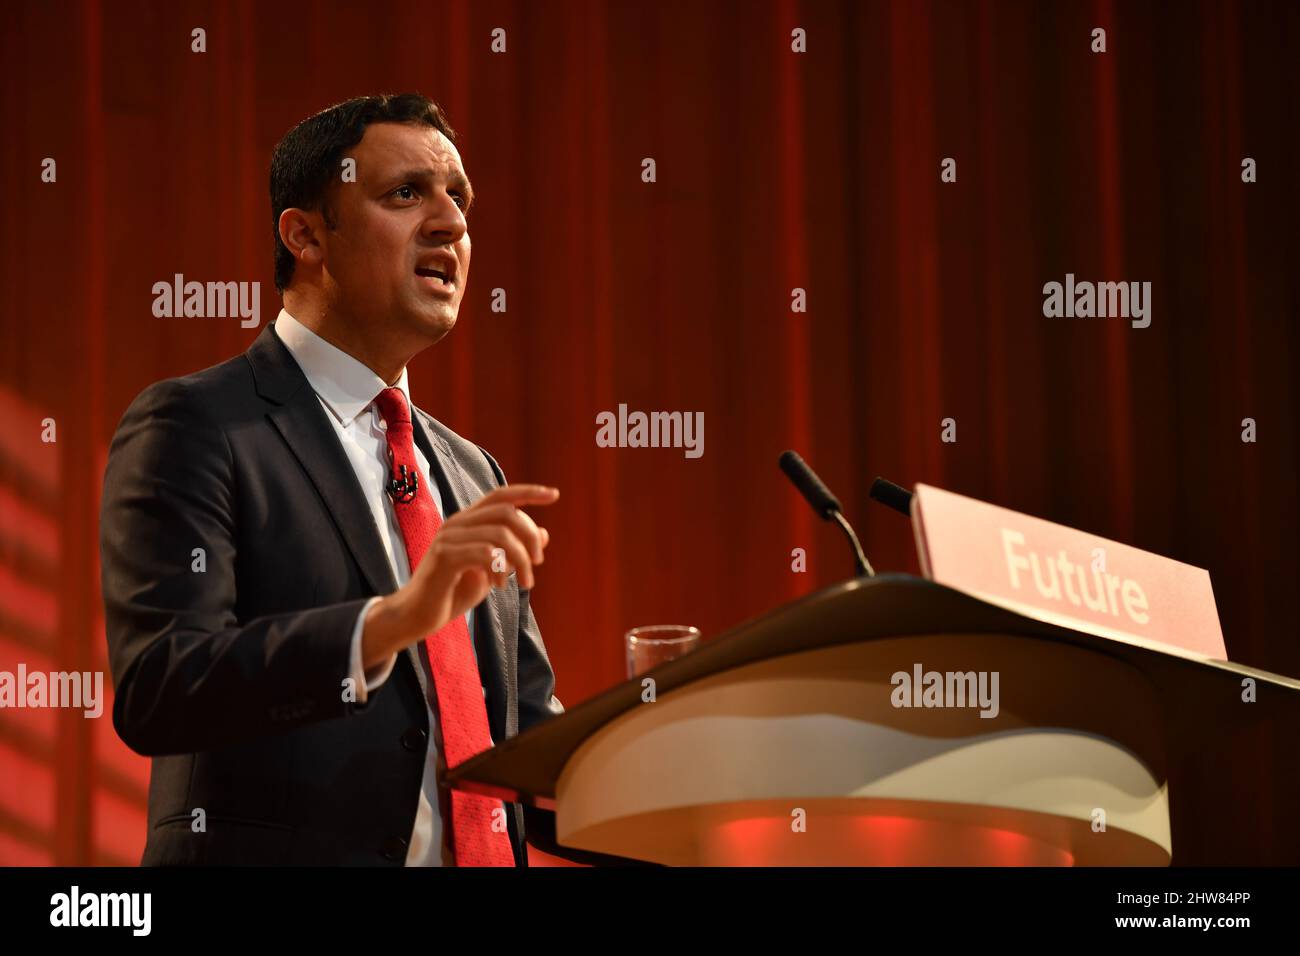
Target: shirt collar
346, 385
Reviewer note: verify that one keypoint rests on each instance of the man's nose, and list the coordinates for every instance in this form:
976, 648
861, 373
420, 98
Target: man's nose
446, 221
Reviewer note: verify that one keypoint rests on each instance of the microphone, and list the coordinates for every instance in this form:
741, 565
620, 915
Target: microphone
892, 496
402, 489
825, 504
402, 484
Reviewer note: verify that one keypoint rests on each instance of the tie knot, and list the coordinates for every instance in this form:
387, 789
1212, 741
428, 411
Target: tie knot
392, 405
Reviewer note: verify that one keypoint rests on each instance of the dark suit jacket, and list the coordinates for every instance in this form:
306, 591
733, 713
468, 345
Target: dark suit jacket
231, 678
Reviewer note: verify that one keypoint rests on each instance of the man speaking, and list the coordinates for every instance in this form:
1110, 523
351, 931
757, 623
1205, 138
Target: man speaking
295, 556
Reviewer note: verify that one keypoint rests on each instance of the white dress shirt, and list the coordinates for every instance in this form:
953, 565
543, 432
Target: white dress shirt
347, 389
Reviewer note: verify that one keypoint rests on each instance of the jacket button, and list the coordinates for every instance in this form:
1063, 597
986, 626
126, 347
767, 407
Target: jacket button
394, 849
414, 738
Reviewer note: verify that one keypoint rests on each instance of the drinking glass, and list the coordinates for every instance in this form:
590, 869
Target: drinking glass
648, 647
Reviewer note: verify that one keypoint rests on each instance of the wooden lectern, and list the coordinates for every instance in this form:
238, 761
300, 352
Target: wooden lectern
781, 742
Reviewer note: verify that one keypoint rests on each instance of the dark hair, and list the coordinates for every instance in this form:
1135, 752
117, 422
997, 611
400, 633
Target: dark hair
309, 155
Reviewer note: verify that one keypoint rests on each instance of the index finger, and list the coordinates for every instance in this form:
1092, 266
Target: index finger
522, 495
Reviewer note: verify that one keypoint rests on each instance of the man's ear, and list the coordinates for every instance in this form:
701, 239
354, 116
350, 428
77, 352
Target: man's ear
300, 231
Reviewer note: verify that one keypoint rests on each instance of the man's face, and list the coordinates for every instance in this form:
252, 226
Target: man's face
398, 255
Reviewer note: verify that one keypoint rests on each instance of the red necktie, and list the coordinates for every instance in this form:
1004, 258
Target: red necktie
461, 710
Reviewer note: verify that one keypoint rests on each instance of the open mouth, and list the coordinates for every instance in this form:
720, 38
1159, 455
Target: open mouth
447, 280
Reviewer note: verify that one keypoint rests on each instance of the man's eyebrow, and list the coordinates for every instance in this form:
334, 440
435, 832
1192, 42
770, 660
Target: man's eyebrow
458, 180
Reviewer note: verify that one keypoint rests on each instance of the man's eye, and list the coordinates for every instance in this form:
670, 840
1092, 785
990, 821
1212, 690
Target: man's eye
404, 189
460, 200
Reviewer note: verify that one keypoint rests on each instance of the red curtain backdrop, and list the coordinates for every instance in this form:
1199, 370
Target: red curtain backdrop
775, 171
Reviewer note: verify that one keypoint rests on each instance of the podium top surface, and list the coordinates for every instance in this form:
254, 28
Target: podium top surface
1199, 692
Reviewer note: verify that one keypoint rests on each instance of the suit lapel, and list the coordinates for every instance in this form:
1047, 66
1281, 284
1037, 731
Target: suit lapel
301, 420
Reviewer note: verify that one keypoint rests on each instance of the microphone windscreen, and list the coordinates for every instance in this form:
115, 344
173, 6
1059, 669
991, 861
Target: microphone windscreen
895, 496
806, 480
